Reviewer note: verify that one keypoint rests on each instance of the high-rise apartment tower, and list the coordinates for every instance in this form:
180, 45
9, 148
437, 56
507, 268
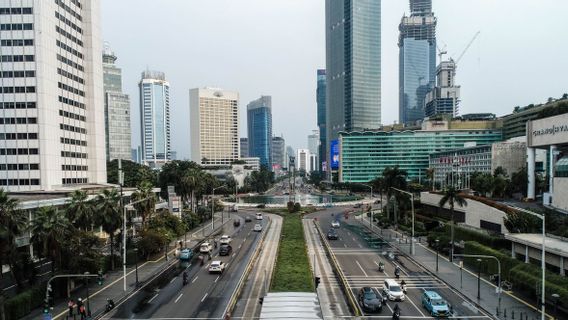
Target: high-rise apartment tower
52, 128
259, 125
320, 100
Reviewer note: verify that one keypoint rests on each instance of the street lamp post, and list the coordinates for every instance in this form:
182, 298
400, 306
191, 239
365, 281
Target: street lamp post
499, 289
136, 262
555, 297
412, 251
88, 300
478, 278
371, 213
543, 259
213, 207
437, 252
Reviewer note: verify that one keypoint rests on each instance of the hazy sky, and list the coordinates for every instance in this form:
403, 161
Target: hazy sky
273, 47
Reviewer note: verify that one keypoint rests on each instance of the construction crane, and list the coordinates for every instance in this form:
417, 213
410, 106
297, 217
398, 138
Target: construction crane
441, 52
467, 47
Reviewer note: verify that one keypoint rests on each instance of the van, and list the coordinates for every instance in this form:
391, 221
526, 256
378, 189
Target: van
436, 306
258, 216
392, 290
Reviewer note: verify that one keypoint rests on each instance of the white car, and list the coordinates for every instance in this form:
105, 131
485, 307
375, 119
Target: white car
259, 216
216, 266
225, 239
393, 291
205, 247
257, 227
335, 224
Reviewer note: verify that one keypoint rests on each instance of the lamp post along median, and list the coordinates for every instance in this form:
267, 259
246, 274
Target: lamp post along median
412, 251
478, 278
437, 252
213, 207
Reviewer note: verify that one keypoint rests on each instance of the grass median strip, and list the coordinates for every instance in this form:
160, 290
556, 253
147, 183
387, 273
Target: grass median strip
292, 272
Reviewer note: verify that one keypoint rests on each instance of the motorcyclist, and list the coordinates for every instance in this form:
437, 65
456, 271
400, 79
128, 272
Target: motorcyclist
397, 272
396, 312
381, 266
185, 277
403, 286
109, 305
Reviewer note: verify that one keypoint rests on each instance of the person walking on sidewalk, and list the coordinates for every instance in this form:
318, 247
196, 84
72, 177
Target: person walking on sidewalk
70, 306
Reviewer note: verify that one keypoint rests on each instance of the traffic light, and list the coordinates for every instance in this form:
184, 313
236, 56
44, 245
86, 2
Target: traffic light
100, 277
317, 281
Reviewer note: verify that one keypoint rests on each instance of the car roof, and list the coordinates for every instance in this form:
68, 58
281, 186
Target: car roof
225, 236
432, 294
205, 243
391, 282
216, 262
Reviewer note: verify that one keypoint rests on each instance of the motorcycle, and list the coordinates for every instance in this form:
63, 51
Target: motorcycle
381, 267
397, 273
396, 313
185, 280
109, 305
403, 286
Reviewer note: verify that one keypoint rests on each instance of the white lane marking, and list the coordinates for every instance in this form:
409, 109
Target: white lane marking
192, 281
360, 246
205, 296
174, 279
234, 254
357, 261
217, 279
240, 245
385, 272
154, 297
181, 294
345, 245
353, 239
408, 298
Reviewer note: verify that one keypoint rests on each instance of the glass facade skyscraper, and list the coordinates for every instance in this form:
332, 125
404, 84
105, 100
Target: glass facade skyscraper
320, 100
353, 66
417, 60
155, 118
259, 125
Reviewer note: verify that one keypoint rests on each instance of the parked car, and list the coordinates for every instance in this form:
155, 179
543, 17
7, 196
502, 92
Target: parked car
205, 247
392, 290
236, 222
332, 234
436, 306
216, 266
257, 227
248, 219
225, 250
335, 224
370, 299
225, 239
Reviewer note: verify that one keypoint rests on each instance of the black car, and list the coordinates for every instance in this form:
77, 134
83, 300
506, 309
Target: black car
225, 250
332, 234
236, 222
248, 219
370, 299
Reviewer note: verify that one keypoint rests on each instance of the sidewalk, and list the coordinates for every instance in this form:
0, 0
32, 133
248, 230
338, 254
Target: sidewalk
113, 285
465, 282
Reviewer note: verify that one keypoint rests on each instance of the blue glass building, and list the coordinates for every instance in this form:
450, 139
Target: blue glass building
259, 124
353, 66
417, 60
320, 100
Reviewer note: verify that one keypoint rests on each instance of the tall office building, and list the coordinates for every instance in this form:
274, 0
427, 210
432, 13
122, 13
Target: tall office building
417, 60
303, 160
52, 130
259, 124
244, 147
214, 126
278, 153
313, 146
117, 110
320, 100
155, 118
290, 153
353, 66
445, 97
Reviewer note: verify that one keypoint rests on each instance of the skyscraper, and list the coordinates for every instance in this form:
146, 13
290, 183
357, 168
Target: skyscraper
117, 110
320, 100
259, 124
417, 60
155, 118
353, 66
51, 95
445, 97
214, 126
278, 153
313, 146
244, 147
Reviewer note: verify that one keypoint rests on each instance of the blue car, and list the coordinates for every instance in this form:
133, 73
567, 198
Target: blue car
185, 254
436, 306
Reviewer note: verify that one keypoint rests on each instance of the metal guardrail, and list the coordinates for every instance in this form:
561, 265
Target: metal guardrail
237, 293
354, 306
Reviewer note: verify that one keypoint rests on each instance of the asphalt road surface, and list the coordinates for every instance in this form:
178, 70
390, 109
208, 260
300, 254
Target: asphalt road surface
359, 260
206, 295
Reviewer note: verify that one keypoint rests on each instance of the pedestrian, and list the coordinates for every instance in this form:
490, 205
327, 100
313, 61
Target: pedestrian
83, 312
70, 306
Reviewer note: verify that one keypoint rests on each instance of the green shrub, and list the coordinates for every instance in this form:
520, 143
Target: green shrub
528, 277
18, 306
507, 262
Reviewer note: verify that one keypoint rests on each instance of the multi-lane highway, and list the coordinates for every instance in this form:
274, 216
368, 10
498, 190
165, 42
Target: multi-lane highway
359, 260
206, 295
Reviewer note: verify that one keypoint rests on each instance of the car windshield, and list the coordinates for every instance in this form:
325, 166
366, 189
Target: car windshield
370, 295
395, 289
438, 302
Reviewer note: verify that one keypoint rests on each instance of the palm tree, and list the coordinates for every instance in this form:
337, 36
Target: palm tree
80, 211
451, 197
430, 175
146, 207
50, 228
189, 182
13, 223
393, 177
109, 216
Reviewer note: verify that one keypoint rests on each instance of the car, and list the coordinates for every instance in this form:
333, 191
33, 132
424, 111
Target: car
248, 219
358, 205
392, 290
225, 239
370, 299
259, 216
185, 254
257, 227
205, 247
216, 267
436, 306
335, 224
236, 222
332, 234
225, 250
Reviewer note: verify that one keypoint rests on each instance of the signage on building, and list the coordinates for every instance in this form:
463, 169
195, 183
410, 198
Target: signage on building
174, 202
548, 131
334, 154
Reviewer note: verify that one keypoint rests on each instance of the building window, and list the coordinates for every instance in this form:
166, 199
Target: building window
16, 26
26, 10
17, 105
71, 102
16, 42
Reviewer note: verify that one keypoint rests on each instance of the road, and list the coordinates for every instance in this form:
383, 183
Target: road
359, 259
206, 295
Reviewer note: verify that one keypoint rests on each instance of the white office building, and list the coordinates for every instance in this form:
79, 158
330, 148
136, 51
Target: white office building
305, 160
214, 126
155, 118
52, 127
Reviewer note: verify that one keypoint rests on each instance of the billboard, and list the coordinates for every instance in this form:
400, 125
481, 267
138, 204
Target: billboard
334, 154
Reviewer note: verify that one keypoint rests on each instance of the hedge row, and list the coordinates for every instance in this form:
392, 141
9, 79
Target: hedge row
507, 262
23, 303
